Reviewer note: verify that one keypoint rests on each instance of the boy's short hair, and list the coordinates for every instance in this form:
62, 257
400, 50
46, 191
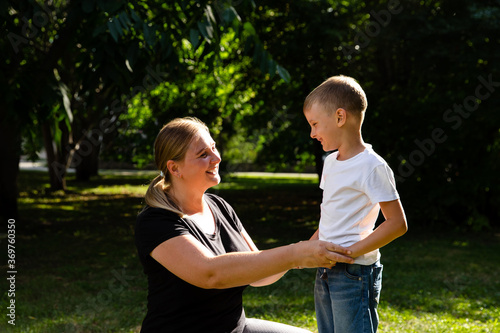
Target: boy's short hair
338, 92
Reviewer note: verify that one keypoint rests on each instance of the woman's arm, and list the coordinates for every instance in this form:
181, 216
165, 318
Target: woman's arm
267, 280
188, 259
393, 227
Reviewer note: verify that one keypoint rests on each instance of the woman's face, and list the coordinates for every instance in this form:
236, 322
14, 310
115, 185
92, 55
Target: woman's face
200, 167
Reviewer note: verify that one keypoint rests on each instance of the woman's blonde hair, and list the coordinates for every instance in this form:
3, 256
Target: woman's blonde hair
171, 143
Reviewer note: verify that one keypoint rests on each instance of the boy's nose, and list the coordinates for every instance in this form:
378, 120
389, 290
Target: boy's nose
313, 133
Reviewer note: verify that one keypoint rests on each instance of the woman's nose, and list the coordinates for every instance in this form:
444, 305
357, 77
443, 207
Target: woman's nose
216, 157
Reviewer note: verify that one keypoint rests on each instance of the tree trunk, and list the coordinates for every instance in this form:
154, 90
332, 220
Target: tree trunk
10, 151
57, 168
88, 165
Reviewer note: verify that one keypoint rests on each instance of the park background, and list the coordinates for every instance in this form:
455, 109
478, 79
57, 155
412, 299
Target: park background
88, 84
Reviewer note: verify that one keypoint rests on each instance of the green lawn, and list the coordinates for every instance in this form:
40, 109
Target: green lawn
77, 270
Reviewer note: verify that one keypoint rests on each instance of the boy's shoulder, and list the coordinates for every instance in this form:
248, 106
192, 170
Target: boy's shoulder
368, 156
373, 156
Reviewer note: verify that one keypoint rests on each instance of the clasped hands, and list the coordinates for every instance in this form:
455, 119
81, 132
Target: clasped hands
323, 254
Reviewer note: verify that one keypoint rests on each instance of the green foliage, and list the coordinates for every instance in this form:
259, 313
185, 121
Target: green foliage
421, 84
418, 94
430, 70
423, 65
221, 98
81, 62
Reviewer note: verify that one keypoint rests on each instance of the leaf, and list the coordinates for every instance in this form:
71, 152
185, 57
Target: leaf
271, 65
66, 100
118, 26
112, 30
249, 28
148, 34
194, 38
209, 14
206, 30
135, 17
229, 15
257, 52
124, 20
284, 74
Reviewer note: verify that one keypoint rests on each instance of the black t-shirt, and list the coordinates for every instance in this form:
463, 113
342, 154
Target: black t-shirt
173, 304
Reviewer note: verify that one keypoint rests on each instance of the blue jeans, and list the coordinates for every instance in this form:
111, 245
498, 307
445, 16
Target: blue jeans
346, 298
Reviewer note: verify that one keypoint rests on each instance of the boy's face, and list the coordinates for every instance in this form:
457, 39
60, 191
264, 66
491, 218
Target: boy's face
323, 127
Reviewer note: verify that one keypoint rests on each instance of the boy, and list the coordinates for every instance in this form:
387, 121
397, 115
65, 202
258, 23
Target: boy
357, 183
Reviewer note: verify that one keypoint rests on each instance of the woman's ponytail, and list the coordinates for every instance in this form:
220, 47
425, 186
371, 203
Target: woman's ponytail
157, 196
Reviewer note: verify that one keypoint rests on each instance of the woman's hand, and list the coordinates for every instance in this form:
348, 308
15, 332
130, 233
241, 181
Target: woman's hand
316, 253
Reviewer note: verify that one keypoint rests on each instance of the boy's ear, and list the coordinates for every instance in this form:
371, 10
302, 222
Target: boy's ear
341, 117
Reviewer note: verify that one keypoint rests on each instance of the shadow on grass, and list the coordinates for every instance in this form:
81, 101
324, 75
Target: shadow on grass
80, 272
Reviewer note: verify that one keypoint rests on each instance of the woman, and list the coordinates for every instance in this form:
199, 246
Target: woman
194, 249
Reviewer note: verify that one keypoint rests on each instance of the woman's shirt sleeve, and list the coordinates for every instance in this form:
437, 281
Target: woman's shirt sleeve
154, 226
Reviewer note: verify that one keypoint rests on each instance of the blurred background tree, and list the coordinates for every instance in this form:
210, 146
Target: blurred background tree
416, 60
430, 70
70, 70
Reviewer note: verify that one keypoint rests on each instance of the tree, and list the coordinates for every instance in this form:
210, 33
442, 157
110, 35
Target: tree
72, 66
430, 70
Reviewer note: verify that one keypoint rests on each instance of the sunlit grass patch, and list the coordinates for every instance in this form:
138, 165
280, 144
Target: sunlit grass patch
411, 321
75, 248
123, 189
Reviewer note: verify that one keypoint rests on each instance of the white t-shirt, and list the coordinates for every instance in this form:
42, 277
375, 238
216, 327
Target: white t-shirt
352, 190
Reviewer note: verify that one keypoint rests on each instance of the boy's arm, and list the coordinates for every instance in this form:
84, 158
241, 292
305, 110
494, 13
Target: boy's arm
315, 236
393, 227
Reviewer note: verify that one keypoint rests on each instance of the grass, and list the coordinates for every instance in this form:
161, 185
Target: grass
78, 270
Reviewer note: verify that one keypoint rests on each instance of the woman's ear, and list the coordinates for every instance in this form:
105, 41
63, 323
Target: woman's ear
341, 117
173, 168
